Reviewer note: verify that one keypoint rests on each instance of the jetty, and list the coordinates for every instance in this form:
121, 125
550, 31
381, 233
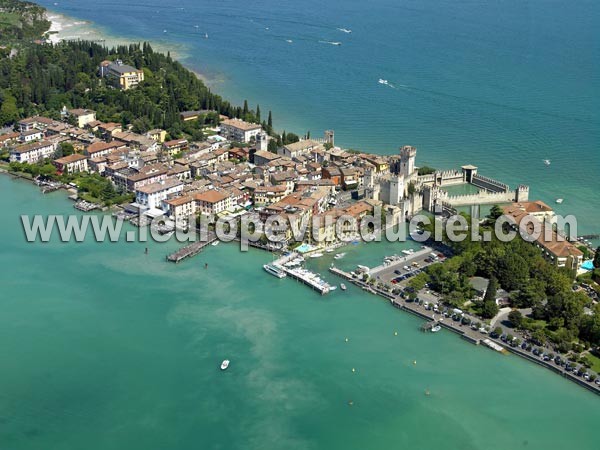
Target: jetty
85, 206
301, 275
190, 250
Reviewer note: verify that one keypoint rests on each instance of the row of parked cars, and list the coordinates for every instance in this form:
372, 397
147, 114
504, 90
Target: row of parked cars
544, 355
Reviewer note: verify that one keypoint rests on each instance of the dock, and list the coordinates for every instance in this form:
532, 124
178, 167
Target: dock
86, 206
304, 276
190, 250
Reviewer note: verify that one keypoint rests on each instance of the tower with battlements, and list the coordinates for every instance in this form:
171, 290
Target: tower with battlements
408, 155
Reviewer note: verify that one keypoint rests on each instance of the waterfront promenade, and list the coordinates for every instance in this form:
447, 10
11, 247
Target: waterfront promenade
464, 331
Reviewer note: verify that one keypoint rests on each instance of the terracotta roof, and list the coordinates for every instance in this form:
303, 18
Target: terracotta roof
210, 196
71, 159
101, 146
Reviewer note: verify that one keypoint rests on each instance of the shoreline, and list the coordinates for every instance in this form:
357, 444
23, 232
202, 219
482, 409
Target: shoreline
475, 338
69, 28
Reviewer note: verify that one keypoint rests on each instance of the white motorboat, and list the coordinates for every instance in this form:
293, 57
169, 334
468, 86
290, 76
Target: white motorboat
316, 255
214, 244
547, 162
436, 328
274, 270
345, 30
225, 364
342, 286
329, 250
382, 81
559, 200
339, 255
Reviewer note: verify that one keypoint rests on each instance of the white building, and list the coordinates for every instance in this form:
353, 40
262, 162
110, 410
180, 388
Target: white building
152, 195
83, 116
32, 153
239, 130
31, 136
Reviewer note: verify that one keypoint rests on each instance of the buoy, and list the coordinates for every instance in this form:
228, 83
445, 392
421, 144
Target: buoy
395, 333
346, 339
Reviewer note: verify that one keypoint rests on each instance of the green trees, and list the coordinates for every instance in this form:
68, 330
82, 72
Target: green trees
9, 113
516, 318
489, 308
425, 170
597, 258
43, 78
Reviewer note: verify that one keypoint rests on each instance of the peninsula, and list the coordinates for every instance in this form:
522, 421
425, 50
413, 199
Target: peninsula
131, 128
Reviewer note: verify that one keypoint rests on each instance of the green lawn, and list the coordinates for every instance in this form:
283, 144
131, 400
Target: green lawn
595, 361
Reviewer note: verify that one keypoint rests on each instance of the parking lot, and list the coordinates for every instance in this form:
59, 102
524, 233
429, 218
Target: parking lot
400, 269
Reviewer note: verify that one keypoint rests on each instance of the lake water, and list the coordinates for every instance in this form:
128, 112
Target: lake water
501, 85
107, 347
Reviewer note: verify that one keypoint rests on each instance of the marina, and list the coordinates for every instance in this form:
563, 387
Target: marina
290, 265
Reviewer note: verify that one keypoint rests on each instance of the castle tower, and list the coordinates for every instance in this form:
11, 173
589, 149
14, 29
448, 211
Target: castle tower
522, 194
330, 137
262, 142
408, 155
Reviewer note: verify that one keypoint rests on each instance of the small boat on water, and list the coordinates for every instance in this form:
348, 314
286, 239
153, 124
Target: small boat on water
274, 270
214, 244
436, 328
225, 364
316, 255
547, 162
332, 288
559, 200
363, 268
329, 250
342, 286
339, 255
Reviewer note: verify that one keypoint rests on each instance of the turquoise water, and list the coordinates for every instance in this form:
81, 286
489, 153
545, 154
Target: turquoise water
106, 347
502, 85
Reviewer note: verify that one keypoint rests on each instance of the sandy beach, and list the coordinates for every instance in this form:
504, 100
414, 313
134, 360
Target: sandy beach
65, 28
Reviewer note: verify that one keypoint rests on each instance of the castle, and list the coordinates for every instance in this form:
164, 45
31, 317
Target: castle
403, 187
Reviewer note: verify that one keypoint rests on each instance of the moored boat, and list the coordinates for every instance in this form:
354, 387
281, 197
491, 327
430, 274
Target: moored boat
225, 364
342, 286
274, 270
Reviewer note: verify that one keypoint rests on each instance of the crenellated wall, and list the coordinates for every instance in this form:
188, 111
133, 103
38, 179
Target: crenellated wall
490, 184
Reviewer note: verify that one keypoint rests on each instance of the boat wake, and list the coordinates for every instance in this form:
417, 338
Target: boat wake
386, 83
330, 42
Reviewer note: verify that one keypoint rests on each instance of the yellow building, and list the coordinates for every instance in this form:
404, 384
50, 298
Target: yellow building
126, 76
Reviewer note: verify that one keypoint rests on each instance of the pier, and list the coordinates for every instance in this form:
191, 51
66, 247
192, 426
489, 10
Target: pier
191, 250
304, 276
